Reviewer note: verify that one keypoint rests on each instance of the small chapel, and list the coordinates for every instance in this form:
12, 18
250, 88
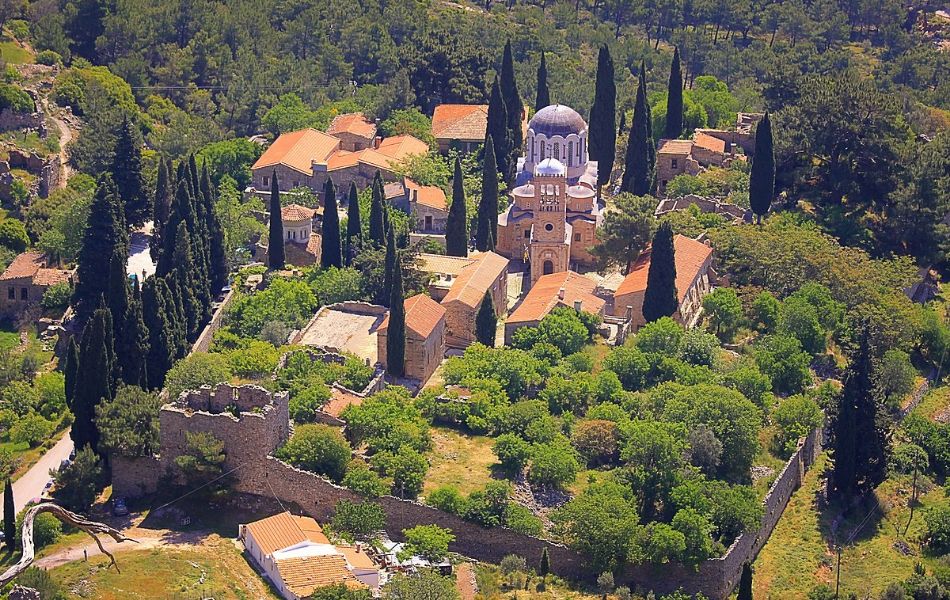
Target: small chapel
552, 221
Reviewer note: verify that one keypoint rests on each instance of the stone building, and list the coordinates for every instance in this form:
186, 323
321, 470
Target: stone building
487, 273
426, 204
565, 288
354, 131
301, 243
553, 219
425, 337
460, 126
25, 280
693, 261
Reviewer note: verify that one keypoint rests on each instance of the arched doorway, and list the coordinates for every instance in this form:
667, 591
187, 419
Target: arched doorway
547, 268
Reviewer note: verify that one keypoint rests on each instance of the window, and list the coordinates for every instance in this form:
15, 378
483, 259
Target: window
527, 233
577, 237
266, 181
24, 294
557, 151
549, 226
547, 268
570, 152
296, 183
288, 235
428, 224
674, 163
542, 151
11, 293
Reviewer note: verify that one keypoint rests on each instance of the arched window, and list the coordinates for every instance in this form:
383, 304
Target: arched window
570, 153
557, 151
542, 150
547, 268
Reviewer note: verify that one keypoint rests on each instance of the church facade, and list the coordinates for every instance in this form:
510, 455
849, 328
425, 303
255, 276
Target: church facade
553, 218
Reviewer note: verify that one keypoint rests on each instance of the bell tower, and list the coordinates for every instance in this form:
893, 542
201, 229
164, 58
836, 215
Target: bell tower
549, 248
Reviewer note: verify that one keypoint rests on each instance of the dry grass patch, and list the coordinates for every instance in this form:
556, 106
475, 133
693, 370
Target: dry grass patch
460, 460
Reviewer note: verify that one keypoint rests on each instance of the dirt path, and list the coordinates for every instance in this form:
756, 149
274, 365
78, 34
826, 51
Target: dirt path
65, 137
465, 581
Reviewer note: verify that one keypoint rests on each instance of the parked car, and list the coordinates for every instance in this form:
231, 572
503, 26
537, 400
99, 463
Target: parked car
119, 508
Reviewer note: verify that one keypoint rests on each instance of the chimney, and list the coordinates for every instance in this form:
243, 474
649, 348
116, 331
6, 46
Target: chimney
577, 305
560, 294
376, 142
415, 195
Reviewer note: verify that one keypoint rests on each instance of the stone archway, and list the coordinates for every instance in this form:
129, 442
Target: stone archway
547, 268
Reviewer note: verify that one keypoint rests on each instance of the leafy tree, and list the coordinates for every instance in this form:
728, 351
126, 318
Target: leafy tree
601, 522
303, 405
663, 336
751, 383
427, 585
406, 467
661, 298
318, 448
626, 231
275, 236
128, 423
339, 591
364, 482
630, 365
232, 158
799, 319
782, 358
542, 95
431, 542
354, 226
764, 311
895, 375
361, 520
126, 172
47, 529
937, 535
456, 228
486, 233
696, 530
330, 249
408, 121
238, 225
202, 459
289, 301
79, 482
13, 235
603, 118
762, 178
597, 440
512, 451
196, 370
486, 321
674, 100
724, 310
653, 452
387, 421
699, 348
638, 168
553, 465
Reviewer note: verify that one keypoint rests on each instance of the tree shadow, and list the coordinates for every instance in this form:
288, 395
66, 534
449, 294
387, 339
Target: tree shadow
192, 517
848, 522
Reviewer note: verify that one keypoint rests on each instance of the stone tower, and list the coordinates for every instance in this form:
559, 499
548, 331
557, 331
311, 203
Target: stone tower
549, 250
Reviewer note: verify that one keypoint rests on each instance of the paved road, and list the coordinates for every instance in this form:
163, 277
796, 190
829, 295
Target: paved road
31, 484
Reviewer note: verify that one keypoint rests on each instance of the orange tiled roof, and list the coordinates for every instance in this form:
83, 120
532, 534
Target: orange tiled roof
304, 575
708, 142
284, 529
340, 399
297, 150
428, 195
24, 265
355, 123
690, 256
422, 315
296, 212
441, 263
341, 159
357, 558
544, 296
48, 277
460, 122
475, 279
675, 147
391, 150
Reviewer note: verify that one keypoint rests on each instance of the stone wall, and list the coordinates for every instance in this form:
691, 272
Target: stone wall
706, 205
10, 120
203, 343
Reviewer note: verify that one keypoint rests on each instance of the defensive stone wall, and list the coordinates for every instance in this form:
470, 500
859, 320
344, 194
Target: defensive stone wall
706, 205
10, 119
203, 343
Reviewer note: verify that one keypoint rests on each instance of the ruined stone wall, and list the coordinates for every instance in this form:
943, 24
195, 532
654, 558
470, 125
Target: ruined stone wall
203, 343
10, 120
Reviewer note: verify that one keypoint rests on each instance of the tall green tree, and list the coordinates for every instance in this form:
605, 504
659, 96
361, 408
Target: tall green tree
185, 277
513, 104
674, 100
860, 428
745, 583
391, 264
377, 213
660, 299
762, 177
638, 171
330, 250
543, 96
488, 205
486, 321
396, 333
456, 228
275, 232
104, 236
497, 128
9, 515
603, 117
70, 370
626, 231
217, 255
126, 172
354, 226
95, 377
159, 320
133, 354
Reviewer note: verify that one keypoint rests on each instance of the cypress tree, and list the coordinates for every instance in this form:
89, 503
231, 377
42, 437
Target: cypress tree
745, 583
161, 330
603, 117
126, 172
218, 275
762, 177
330, 251
176, 311
275, 237
651, 139
860, 432
497, 128
161, 206
543, 97
660, 298
354, 227
396, 333
94, 378
392, 265
377, 220
637, 172
103, 237
9, 515
133, 352
513, 104
486, 322
117, 299
674, 100
456, 227
184, 275
544, 566
488, 205
70, 366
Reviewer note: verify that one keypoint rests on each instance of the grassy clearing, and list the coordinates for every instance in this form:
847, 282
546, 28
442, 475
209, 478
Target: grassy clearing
13, 54
464, 461
492, 585
800, 553
32, 141
217, 571
936, 401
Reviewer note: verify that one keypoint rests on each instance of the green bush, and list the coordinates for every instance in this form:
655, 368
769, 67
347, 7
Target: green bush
305, 404
364, 481
13, 235
15, 99
46, 528
938, 529
57, 296
318, 448
195, 370
49, 57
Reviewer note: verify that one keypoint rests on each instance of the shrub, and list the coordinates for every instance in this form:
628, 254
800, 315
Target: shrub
359, 519
46, 529
31, 429
305, 404
553, 465
78, 483
364, 481
630, 366
895, 375
447, 498
513, 564
512, 451
795, 417
13, 235
938, 529
255, 360
318, 448
428, 541
699, 348
522, 520
49, 58
15, 99
57, 296
406, 467
781, 358
662, 336
195, 370
596, 440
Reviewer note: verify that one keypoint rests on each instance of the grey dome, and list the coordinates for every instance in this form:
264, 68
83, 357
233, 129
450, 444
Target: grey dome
557, 119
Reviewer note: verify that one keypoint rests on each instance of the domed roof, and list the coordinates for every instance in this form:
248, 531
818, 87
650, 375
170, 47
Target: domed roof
550, 167
557, 119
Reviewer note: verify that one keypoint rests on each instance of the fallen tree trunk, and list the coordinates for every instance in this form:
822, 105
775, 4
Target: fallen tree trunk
93, 528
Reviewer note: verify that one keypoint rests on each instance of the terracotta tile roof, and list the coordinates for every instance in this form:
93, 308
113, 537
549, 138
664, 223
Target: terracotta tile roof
303, 575
24, 265
446, 265
708, 142
675, 147
355, 123
690, 256
460, 122
342, 159
297, 150
544, 296
296, 212
423, 315
476, 279
394, 189
391, 150
284, 529
340, 399
48, 277
356, 557
428, 195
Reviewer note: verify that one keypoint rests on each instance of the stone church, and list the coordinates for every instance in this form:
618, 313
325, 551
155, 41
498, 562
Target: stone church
552, 221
